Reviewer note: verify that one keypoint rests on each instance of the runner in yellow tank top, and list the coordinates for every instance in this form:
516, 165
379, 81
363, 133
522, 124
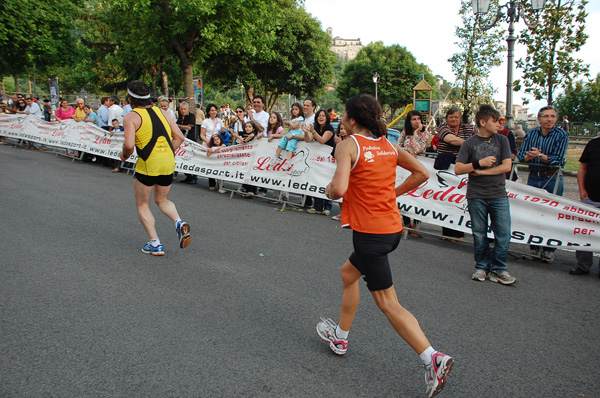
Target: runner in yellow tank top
365, 177
161, 159
155, 137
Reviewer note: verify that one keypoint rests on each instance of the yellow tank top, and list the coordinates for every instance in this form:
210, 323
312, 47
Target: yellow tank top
153, 143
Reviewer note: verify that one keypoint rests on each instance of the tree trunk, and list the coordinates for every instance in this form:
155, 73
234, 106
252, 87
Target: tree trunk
164, 82
153, 73
16, 82
187, 68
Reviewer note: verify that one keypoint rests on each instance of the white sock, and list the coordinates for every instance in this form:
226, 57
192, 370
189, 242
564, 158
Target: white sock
154, 242
178, 221
341, 334
426, 355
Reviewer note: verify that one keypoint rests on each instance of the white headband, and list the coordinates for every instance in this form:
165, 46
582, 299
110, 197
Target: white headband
138, 96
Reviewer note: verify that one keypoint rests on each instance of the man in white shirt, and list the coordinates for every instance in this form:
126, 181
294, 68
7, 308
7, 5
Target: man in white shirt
32, 108
115, 111
309, 107
259, 117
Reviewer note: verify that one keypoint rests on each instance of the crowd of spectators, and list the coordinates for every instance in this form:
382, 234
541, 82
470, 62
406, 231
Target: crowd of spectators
543, 147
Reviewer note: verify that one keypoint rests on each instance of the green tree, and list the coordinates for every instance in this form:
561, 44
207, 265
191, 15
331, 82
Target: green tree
550, 42
479, 51
194, 31
35, 35
581, 101
291, 56
399, 73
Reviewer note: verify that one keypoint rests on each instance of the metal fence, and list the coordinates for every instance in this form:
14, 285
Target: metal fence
586, 129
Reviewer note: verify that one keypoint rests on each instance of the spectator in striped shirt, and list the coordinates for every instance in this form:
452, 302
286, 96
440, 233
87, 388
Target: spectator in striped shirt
451, 136
544, 148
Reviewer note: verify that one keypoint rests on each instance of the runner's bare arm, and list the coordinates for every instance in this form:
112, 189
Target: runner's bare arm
345, 154
131, 122
419, 173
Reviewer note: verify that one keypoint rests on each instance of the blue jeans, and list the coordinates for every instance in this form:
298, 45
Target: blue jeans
323, 204
499, 213
548, 184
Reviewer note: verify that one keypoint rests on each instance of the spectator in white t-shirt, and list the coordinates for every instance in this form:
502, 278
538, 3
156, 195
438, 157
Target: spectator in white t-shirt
115, 111
259, 117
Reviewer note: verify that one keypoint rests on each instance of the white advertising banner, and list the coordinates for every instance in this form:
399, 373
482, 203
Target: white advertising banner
538, 217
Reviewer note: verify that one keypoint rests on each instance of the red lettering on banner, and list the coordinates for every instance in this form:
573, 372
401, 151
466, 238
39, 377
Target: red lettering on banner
16, 126
180, 152
581, 211
442, 196
264, 164
103, 140
428, 194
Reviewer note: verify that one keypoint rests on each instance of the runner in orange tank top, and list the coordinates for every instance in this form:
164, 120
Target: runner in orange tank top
365, 177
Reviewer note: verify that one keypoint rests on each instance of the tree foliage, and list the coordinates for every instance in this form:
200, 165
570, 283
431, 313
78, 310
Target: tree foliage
36, 35
195, 32
550, 42
399, 73
290, 56
479, 51
581, 101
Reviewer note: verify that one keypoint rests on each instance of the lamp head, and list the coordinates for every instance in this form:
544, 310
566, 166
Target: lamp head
537, 5
481, 6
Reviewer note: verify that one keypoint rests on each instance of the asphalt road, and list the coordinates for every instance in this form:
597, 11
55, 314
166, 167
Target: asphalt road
83, 313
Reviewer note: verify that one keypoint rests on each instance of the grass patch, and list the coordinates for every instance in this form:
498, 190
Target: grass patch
573, 155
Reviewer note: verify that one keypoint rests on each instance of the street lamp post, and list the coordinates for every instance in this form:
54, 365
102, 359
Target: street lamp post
376, 78
514, 9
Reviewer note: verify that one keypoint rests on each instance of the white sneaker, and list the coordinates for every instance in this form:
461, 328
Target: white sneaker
479, 275
221, 190
503, 277
436, 372
547, 257
276, 161
326, 330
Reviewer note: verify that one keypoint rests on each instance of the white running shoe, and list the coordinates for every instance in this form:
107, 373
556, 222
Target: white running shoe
436, 372
326, 330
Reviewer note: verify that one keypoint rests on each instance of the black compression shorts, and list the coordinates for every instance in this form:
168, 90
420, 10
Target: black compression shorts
370, 257
150, 181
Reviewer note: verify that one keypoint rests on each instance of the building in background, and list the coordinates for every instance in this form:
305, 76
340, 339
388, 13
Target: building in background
346, 49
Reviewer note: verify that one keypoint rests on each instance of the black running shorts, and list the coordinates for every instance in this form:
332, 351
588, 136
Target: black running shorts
150, 181
370, 258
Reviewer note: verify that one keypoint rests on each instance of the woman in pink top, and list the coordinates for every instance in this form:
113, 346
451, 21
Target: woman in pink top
65, 111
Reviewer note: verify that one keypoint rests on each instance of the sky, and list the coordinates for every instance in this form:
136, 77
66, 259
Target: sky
426, 28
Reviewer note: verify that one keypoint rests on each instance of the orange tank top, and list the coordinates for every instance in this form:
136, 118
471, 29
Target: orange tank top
370, 202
